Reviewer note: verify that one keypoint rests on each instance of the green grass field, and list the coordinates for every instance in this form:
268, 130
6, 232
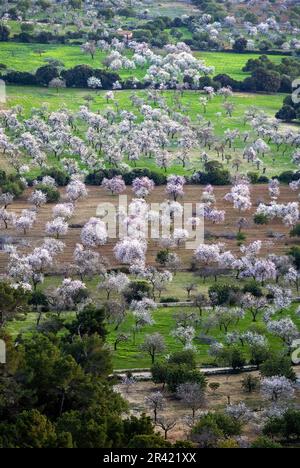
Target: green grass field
30, 97
231, 63
28, 57
128, 355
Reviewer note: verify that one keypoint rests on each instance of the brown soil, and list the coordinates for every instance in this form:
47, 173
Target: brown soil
230, 387
87, 208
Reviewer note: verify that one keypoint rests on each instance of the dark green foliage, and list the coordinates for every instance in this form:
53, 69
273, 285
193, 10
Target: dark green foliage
148, 441
136, 290
250, 383
265, 443
225, 294
88, 322
180, 368
287, 426
295, 254
278, 365
4, 33
186, 357
214, 174
240, 45
260, 219
78, 76
215, 426
295, 232
11, 183
254, 288
51, 193
45, 74
96, 178
13, 301
60, 177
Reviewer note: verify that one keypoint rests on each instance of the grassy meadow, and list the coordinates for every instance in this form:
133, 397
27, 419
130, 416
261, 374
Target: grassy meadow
128, 354
29, 57
30, 97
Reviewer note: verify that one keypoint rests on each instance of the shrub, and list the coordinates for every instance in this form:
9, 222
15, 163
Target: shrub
45, 74
265, 443
260, 219
295, 232
287, 426
61, 178
216, 426
20, 78
288, 176
137, 290
183, 357
254, 288
169, 300
250, 383
225, 294
4, 33
278, 365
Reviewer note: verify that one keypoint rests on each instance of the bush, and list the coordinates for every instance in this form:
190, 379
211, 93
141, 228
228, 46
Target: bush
169, 300
61, 178
254, 288
240, 45
225, 294
295, 232
286, 113
216, 426
20, 78
184, 357
250, 383
214, 174
265, 443
287, 426
78, 76
233, 357
157, 177
4, 33
137, 290
96, 178
260, 219
295, 254
45, 74
11, 183
278, 365
288, 176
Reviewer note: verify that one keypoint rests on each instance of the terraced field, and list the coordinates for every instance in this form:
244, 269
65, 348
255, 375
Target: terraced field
88, 207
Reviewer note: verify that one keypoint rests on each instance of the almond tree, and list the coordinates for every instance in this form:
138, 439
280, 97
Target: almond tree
25, 221
63, 210
116, 185
6, 199
89, 48
38, 198
175, 186
94, 233
143, 186
192, 395
76, 190
155, 402
114, 282
58, 227
130, 251
153, 345
6, 217
277, 388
